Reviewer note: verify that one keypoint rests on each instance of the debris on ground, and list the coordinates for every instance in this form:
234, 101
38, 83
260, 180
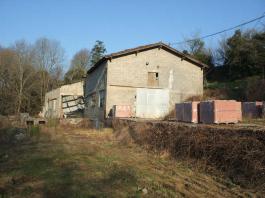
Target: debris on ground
13, 135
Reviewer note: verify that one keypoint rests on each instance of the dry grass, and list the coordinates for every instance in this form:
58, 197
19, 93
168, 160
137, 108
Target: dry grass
258, 121
209, 94
237, 152
73, 123
89, 163
171, 115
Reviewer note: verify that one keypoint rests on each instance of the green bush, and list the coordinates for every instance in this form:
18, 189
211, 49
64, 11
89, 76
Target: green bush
248, 89
34, 130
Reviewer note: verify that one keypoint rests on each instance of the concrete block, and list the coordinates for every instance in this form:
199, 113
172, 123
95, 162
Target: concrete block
187, 111
220, 111
252, 109
190, 112
122, 111
179, 108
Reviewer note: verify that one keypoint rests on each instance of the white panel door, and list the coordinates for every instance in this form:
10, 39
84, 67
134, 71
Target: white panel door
152, 103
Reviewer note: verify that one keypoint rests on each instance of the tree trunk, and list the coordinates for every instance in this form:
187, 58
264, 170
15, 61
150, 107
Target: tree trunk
20, 89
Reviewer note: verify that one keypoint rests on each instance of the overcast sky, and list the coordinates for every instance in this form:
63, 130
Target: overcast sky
121, 24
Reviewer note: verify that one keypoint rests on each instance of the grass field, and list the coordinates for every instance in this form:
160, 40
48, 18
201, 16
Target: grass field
87, 163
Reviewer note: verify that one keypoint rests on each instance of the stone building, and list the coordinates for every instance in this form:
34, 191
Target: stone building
150, 79
65, 101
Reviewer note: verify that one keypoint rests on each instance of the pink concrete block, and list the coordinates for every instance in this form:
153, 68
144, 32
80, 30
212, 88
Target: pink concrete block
220, 111
252, 109
190, 112
122, 111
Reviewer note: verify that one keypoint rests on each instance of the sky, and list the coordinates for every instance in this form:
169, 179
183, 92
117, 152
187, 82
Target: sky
122, 24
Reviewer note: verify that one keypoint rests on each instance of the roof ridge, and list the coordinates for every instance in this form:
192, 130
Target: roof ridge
146, 47
135, 48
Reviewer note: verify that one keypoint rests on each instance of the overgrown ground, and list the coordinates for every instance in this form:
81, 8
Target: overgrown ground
260, 121
60, 162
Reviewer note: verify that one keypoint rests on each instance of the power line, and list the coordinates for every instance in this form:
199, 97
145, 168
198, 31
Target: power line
258, 22
222, 31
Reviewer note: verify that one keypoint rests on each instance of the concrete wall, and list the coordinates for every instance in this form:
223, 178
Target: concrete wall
120, 77
56, 95
117, 95
182, 78
72, 89
95, 82
48, 111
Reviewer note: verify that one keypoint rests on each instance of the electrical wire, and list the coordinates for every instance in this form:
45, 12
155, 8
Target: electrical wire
222, 31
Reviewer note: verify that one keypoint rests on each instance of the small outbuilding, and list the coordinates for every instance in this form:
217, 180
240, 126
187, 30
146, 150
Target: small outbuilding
65, 101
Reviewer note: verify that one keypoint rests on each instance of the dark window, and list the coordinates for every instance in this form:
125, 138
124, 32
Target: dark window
91, 101
156, 76
101, 98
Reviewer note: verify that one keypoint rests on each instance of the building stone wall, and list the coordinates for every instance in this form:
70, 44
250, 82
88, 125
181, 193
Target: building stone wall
118, 95
73, 89
182, 78
53, 99
120, 77
95, 82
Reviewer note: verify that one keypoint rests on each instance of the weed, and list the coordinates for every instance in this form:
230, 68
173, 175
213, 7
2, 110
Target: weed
85, 163
53, 122
34, 130
239, 153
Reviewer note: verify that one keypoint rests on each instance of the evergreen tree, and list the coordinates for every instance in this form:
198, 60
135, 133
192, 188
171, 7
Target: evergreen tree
245, 54
97, 52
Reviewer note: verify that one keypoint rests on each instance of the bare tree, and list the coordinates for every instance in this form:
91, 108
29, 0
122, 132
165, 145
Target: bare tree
56, 78
221, 55
49, 57
24, 71
79, 66
7, 91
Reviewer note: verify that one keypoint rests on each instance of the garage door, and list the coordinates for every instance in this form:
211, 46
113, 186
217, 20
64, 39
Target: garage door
151, 103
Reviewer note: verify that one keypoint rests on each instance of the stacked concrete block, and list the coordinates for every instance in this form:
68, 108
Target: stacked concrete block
252, 109
179, 108
122, 111
191, 112
220, 111
187, 112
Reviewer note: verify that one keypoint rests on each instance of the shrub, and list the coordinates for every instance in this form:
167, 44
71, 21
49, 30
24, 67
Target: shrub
255, 89
238, 152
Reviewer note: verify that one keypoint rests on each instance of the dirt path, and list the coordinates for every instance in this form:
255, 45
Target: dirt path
85, 163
